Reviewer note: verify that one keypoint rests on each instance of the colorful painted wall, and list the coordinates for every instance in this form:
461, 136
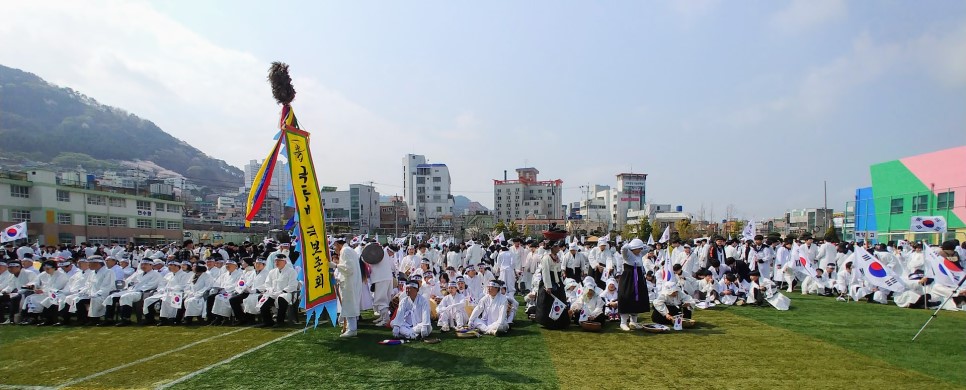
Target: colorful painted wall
927, 184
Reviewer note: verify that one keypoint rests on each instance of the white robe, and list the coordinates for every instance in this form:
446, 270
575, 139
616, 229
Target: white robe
490, 314
412, 318
349, 278
100, 287
195, 297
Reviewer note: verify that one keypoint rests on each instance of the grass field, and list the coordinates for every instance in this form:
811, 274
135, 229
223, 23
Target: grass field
820, 343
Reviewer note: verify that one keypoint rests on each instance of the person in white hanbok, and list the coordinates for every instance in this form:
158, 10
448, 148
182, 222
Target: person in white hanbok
196, 294
412, 319
490, 314
452, 309
224, 288
167, 299
348, 276
137, 286
50, 282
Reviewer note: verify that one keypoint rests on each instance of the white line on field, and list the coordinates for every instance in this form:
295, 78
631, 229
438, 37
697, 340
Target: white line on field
226, 361
25, 387
142, 360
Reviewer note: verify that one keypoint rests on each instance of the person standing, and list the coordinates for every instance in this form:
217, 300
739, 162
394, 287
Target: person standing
632, 287
551, 289
348, 275
382, 278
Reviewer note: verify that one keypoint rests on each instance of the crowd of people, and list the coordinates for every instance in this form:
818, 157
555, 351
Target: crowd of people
469, 288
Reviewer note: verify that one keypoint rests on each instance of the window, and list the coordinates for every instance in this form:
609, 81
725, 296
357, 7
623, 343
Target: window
159, 225
335, 200
96, 200
64, 219
897, 206
159, 207
437, 179
437, 188
96, 220
920, 203
439, 209
173, 208
63, 196
174, 225
19, 191
118, 222
144, 205
65, 238
437, 198
420, 190
420, 180
19, 216
144, 223
944, 201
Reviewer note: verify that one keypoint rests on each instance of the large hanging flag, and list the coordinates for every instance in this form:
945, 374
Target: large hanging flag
875, 272
14, 233
500, 237
944, 271
924, 224
318, 294
666, 235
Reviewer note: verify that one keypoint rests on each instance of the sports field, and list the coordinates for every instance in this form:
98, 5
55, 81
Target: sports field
820, 343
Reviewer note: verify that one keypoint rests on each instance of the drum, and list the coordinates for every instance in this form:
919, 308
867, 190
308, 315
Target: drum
373, 253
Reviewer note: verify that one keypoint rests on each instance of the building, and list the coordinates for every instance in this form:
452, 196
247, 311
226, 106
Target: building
393, 216
931, 184
355, 210
65, 211
427, 192
528, 198
630, 196
815, 221
281, 185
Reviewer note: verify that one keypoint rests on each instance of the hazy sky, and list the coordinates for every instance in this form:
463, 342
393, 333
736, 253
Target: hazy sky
750, 103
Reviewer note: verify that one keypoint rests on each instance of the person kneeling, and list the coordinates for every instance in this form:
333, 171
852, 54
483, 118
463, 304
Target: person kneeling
590, 306
671, 302
489, 315
413, 318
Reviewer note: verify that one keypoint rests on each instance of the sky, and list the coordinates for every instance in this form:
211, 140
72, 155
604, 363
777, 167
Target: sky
751, 104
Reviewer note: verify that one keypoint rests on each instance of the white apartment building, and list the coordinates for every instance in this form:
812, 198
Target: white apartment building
528, 198
427, 191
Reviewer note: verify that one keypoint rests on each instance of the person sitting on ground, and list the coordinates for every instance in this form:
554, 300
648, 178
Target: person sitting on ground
452, 309
730, 292
412, 320
590, 306
707, 289
490, 314
671, 302
815, 284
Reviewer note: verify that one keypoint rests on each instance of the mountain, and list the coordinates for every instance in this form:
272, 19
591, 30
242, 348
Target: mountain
42, 122
461, 203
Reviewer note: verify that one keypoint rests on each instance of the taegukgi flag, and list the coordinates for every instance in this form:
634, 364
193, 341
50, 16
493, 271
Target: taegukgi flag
928, 224
15, 232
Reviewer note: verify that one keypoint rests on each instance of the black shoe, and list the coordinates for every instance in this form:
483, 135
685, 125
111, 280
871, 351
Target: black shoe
264, 325
105, 323
280, 324
148, 322
123, 323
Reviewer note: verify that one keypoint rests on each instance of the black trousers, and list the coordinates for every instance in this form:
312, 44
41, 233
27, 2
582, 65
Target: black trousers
210, 303
82, 307
9, 305
266, 311
575, 274
657, 317
236, 305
